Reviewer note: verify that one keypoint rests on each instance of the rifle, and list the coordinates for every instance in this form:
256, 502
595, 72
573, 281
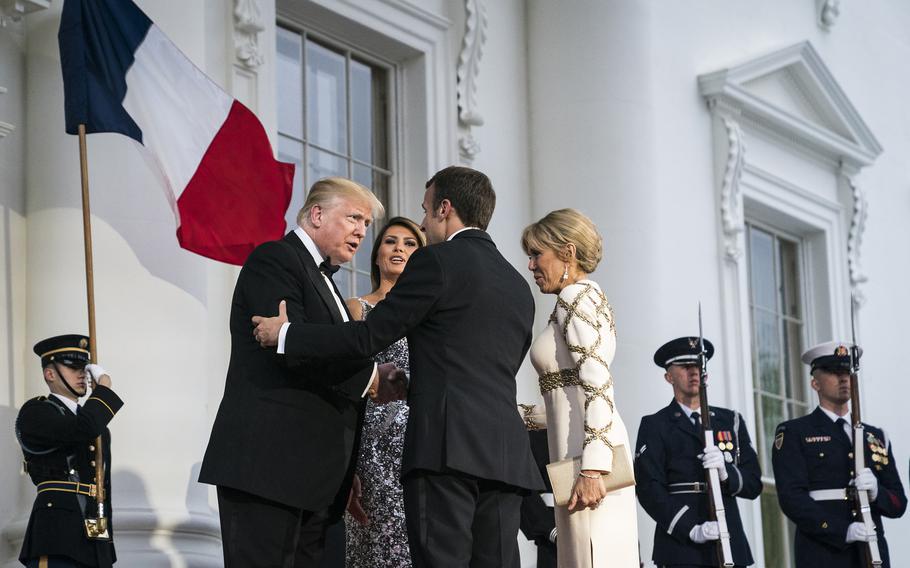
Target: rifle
873, 556
717, 512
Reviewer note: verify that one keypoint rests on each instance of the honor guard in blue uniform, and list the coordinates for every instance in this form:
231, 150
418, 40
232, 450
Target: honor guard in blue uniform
671, 461
58, 439
814, 471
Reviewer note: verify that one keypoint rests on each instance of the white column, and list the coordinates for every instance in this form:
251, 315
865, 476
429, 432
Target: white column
161, 311
592, 130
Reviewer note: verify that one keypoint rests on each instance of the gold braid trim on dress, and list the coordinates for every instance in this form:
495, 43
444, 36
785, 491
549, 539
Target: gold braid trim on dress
559, 379
570, 377
592, 434
526, 411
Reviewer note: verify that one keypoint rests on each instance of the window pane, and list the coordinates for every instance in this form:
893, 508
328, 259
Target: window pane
326, 94
362, 111
322, 164
290, 83
796, 410
363, 175
342, 280
368, 114
364, 286
789, 272
761, 253
773, 529
772, 415
292, 151
793, 348
362, 256
767, 347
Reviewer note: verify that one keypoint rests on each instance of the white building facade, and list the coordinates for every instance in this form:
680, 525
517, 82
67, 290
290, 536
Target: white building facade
751, 156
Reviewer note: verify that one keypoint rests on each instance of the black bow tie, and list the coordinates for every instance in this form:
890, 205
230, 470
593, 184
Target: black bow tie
328, 269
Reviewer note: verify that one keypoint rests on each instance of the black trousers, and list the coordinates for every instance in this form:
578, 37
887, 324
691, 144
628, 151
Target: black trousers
458, 521
258, 533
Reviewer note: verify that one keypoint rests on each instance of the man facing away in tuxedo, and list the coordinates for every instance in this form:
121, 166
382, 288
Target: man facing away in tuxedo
467, 314
287, 429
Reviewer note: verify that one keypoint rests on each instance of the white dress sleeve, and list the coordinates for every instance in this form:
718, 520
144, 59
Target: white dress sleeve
586, 320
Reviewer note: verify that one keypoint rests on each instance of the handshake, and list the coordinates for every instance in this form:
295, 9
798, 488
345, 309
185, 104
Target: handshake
389, 383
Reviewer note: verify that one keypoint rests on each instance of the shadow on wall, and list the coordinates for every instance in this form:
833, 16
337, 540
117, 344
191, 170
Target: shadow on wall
134, 527
197, 541
125, 194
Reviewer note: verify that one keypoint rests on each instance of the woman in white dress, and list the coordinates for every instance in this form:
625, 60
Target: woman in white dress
572, 357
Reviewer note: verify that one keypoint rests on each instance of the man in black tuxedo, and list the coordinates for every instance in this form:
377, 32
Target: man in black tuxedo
282, 443
467, 314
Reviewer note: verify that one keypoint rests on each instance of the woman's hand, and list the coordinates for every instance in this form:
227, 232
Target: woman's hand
587, 493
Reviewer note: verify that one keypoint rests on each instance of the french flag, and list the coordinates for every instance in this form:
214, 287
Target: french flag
122, 74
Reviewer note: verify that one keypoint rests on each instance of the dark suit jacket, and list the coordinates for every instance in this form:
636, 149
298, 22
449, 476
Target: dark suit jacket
287, 427
811, 453
667, 452
56, 442
467, 314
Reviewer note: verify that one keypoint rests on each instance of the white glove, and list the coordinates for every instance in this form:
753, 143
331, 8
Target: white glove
97, 370
713, 458
706, 531
866, 481
857, 532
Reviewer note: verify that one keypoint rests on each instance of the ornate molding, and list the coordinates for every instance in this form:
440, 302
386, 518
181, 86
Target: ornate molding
472, 44
828, 13
12, 11
247, 27
731, 193
855, 238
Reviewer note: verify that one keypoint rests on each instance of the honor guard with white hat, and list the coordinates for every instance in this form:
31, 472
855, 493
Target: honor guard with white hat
58, 437
671, 460
814, 470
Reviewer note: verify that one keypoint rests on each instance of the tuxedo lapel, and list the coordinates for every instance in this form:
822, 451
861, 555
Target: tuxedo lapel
315, 276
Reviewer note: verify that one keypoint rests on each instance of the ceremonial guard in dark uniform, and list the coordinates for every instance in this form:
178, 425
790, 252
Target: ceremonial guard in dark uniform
58, 443
814, 471
671, 460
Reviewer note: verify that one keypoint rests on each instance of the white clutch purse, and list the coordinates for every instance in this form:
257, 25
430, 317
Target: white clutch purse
563, 474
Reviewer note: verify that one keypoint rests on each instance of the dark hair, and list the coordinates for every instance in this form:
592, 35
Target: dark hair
393, 222
469, 191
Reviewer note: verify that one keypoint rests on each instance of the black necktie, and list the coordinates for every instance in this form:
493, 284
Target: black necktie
328, 269
695, 417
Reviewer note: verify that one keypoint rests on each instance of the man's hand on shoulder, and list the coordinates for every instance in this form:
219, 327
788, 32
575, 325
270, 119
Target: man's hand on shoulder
266, 329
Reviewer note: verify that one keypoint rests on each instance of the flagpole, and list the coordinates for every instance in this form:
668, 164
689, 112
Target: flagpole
99, 529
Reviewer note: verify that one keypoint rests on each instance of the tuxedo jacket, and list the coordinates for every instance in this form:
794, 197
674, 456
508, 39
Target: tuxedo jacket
287, 427
467, 314
813, 453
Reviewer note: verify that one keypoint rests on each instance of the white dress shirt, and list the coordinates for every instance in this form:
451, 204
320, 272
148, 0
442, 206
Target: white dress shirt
688, 412
452, 236
71, 404
318, 258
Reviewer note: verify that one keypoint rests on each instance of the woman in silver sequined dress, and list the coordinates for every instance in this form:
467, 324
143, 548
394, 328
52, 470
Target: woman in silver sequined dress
376, 535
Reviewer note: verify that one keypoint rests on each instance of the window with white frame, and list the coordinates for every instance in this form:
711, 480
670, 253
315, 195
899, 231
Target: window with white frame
780, 386
334, 120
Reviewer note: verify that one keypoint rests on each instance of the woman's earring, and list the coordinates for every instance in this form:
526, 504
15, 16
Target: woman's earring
565, 274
